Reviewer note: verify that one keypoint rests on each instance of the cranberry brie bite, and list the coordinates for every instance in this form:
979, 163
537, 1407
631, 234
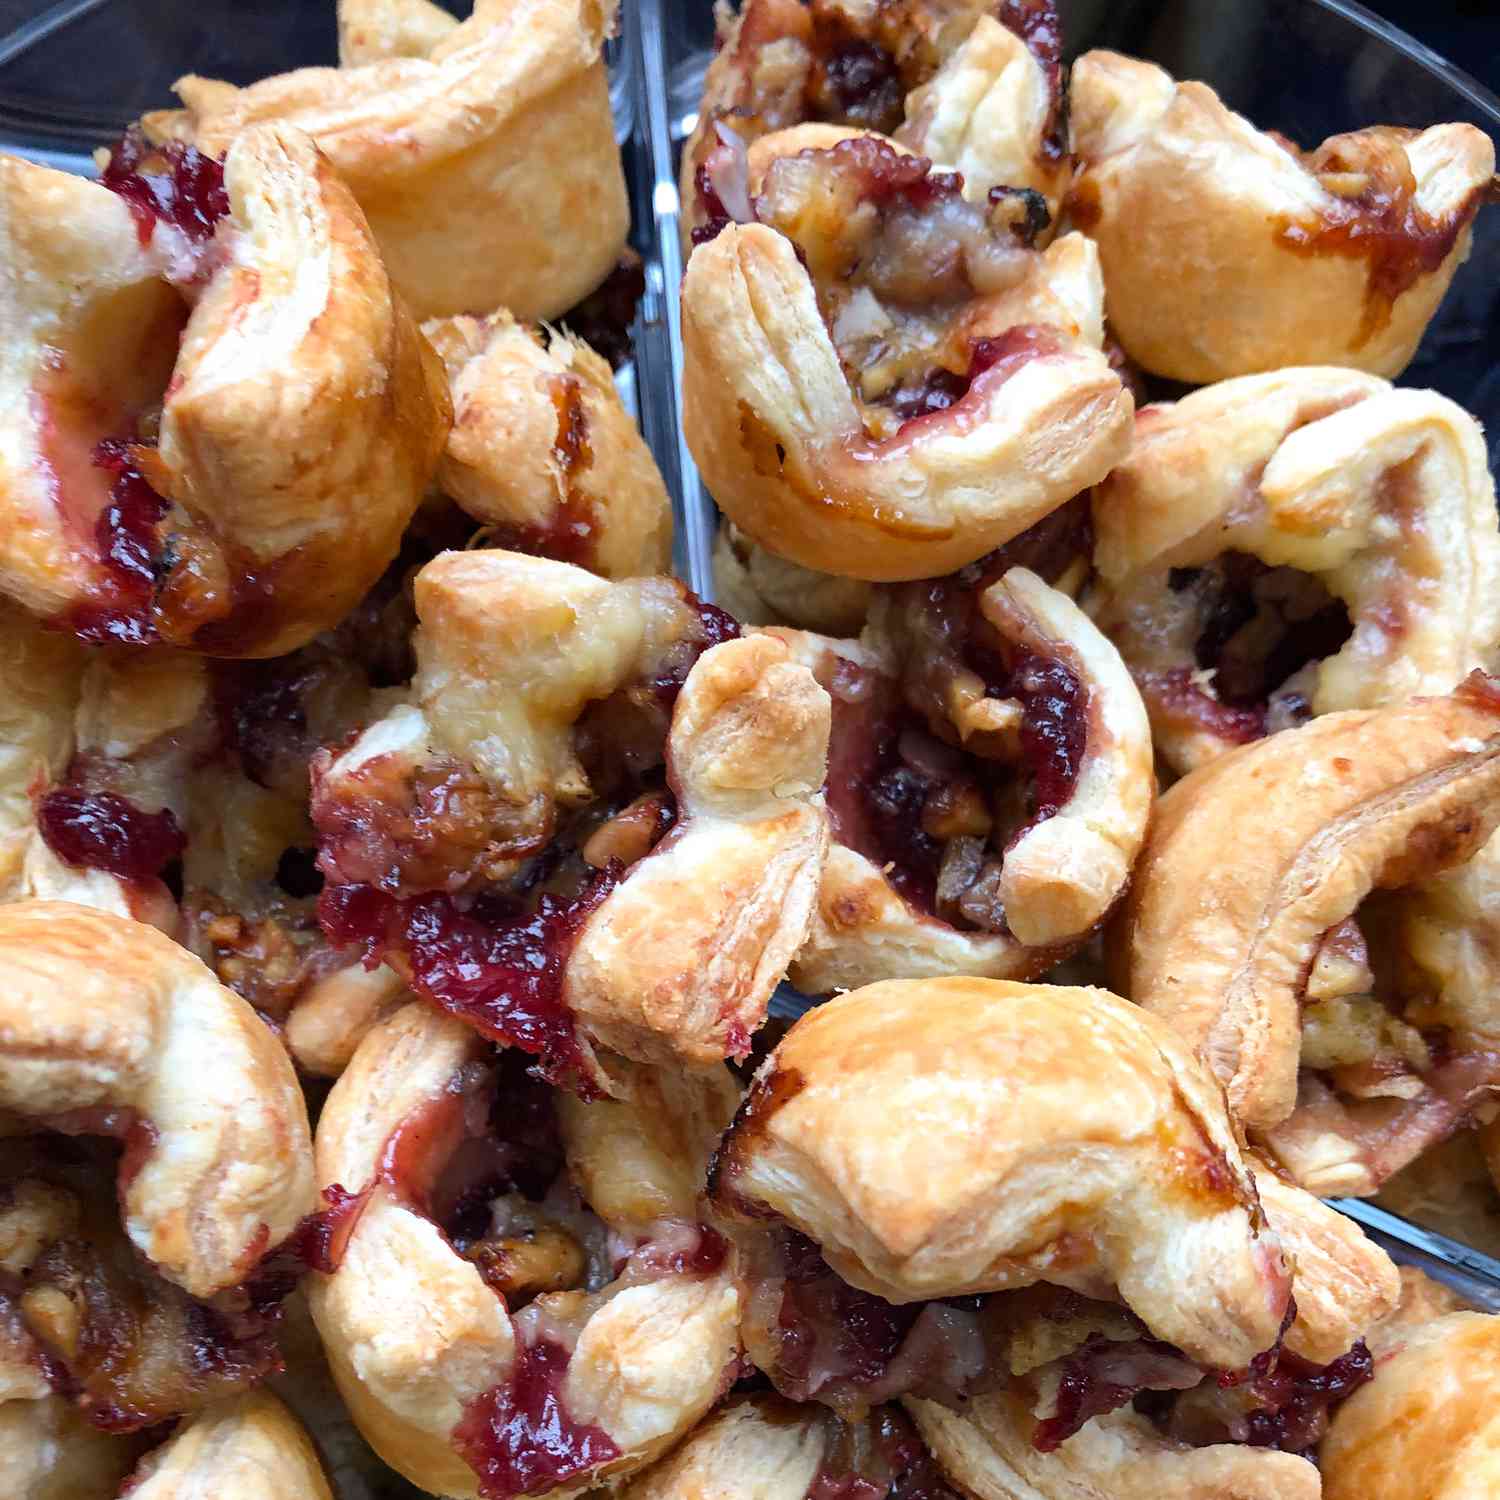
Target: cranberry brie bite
952, 1187
481, 151
1230, 251
519, 1291
1271, 923
990, 782
595, 820
882, 379
1286, 545
125, 1066
976, 86
216, 417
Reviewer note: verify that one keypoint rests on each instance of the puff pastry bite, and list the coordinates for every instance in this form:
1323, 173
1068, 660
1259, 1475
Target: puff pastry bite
1427, 1424
248, 1448
862, 405
521, 1292
1228, 250
975, 86
597, 822
1285, 545
765, 1448
239, 490
482, 152
1034, 1224
1255, 927
989, 784
542, 451
112, 1034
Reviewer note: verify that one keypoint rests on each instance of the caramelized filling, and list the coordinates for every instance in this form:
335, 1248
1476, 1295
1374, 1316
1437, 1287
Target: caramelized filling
881, 1457
480, 907
936, 772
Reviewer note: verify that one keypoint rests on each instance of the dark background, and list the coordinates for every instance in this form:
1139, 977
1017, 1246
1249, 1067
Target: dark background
1466, 32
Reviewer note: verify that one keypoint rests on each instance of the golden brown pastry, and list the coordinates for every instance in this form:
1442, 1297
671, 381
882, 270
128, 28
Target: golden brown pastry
218, 416
543, 453
248, 1448
765, 1448
172, 1091
1257, 524
483, 153
759, 588
1051, 1163
1428, 1424
522, 1293
975, 86
1254, 927
1228, 251
990, 783
590, 825
861, 407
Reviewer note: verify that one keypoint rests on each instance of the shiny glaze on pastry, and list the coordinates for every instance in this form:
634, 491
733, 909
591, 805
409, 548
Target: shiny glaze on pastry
990, 781
589, 824
497, 1324
1240, 929
542, 451
1257, 524
911, 1147
248, 1448
238, 491
482, 152
1228, 251
862, 407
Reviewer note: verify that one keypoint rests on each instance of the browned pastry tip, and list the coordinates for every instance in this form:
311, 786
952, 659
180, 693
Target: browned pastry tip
1229, 251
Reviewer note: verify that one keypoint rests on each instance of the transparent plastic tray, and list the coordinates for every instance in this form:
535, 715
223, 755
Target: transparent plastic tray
1307, 67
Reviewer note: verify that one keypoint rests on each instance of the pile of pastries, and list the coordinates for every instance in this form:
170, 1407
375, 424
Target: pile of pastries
397, 862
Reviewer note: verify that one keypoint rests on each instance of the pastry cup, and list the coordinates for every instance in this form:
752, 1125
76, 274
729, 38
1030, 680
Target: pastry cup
428, 1356
759, 588
247, 1448
1427, 1423
543, 452
300, 416
663, 947
804, 459
1018, 1174
1251, 866
1227, 251
955, 85
109, 1016
485, 162
48, 1451
1083, 745
1382, 497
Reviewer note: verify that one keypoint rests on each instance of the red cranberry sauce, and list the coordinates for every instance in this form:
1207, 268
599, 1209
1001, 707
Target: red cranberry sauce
1259, 627
498, 966
940, 388
188, 194
520, 1438
604, 318
1038, 24
1106, 1374
126, 535
103, 831
882, 1457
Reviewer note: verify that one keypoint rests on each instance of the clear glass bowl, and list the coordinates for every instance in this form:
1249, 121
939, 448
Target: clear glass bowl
1308, 68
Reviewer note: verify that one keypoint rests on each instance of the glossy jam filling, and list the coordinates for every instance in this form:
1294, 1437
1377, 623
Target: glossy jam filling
520, 1437
102, 831
1038, 24
498, 966
940, 388
171, 183
604, 318
937, 815
881, 1457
